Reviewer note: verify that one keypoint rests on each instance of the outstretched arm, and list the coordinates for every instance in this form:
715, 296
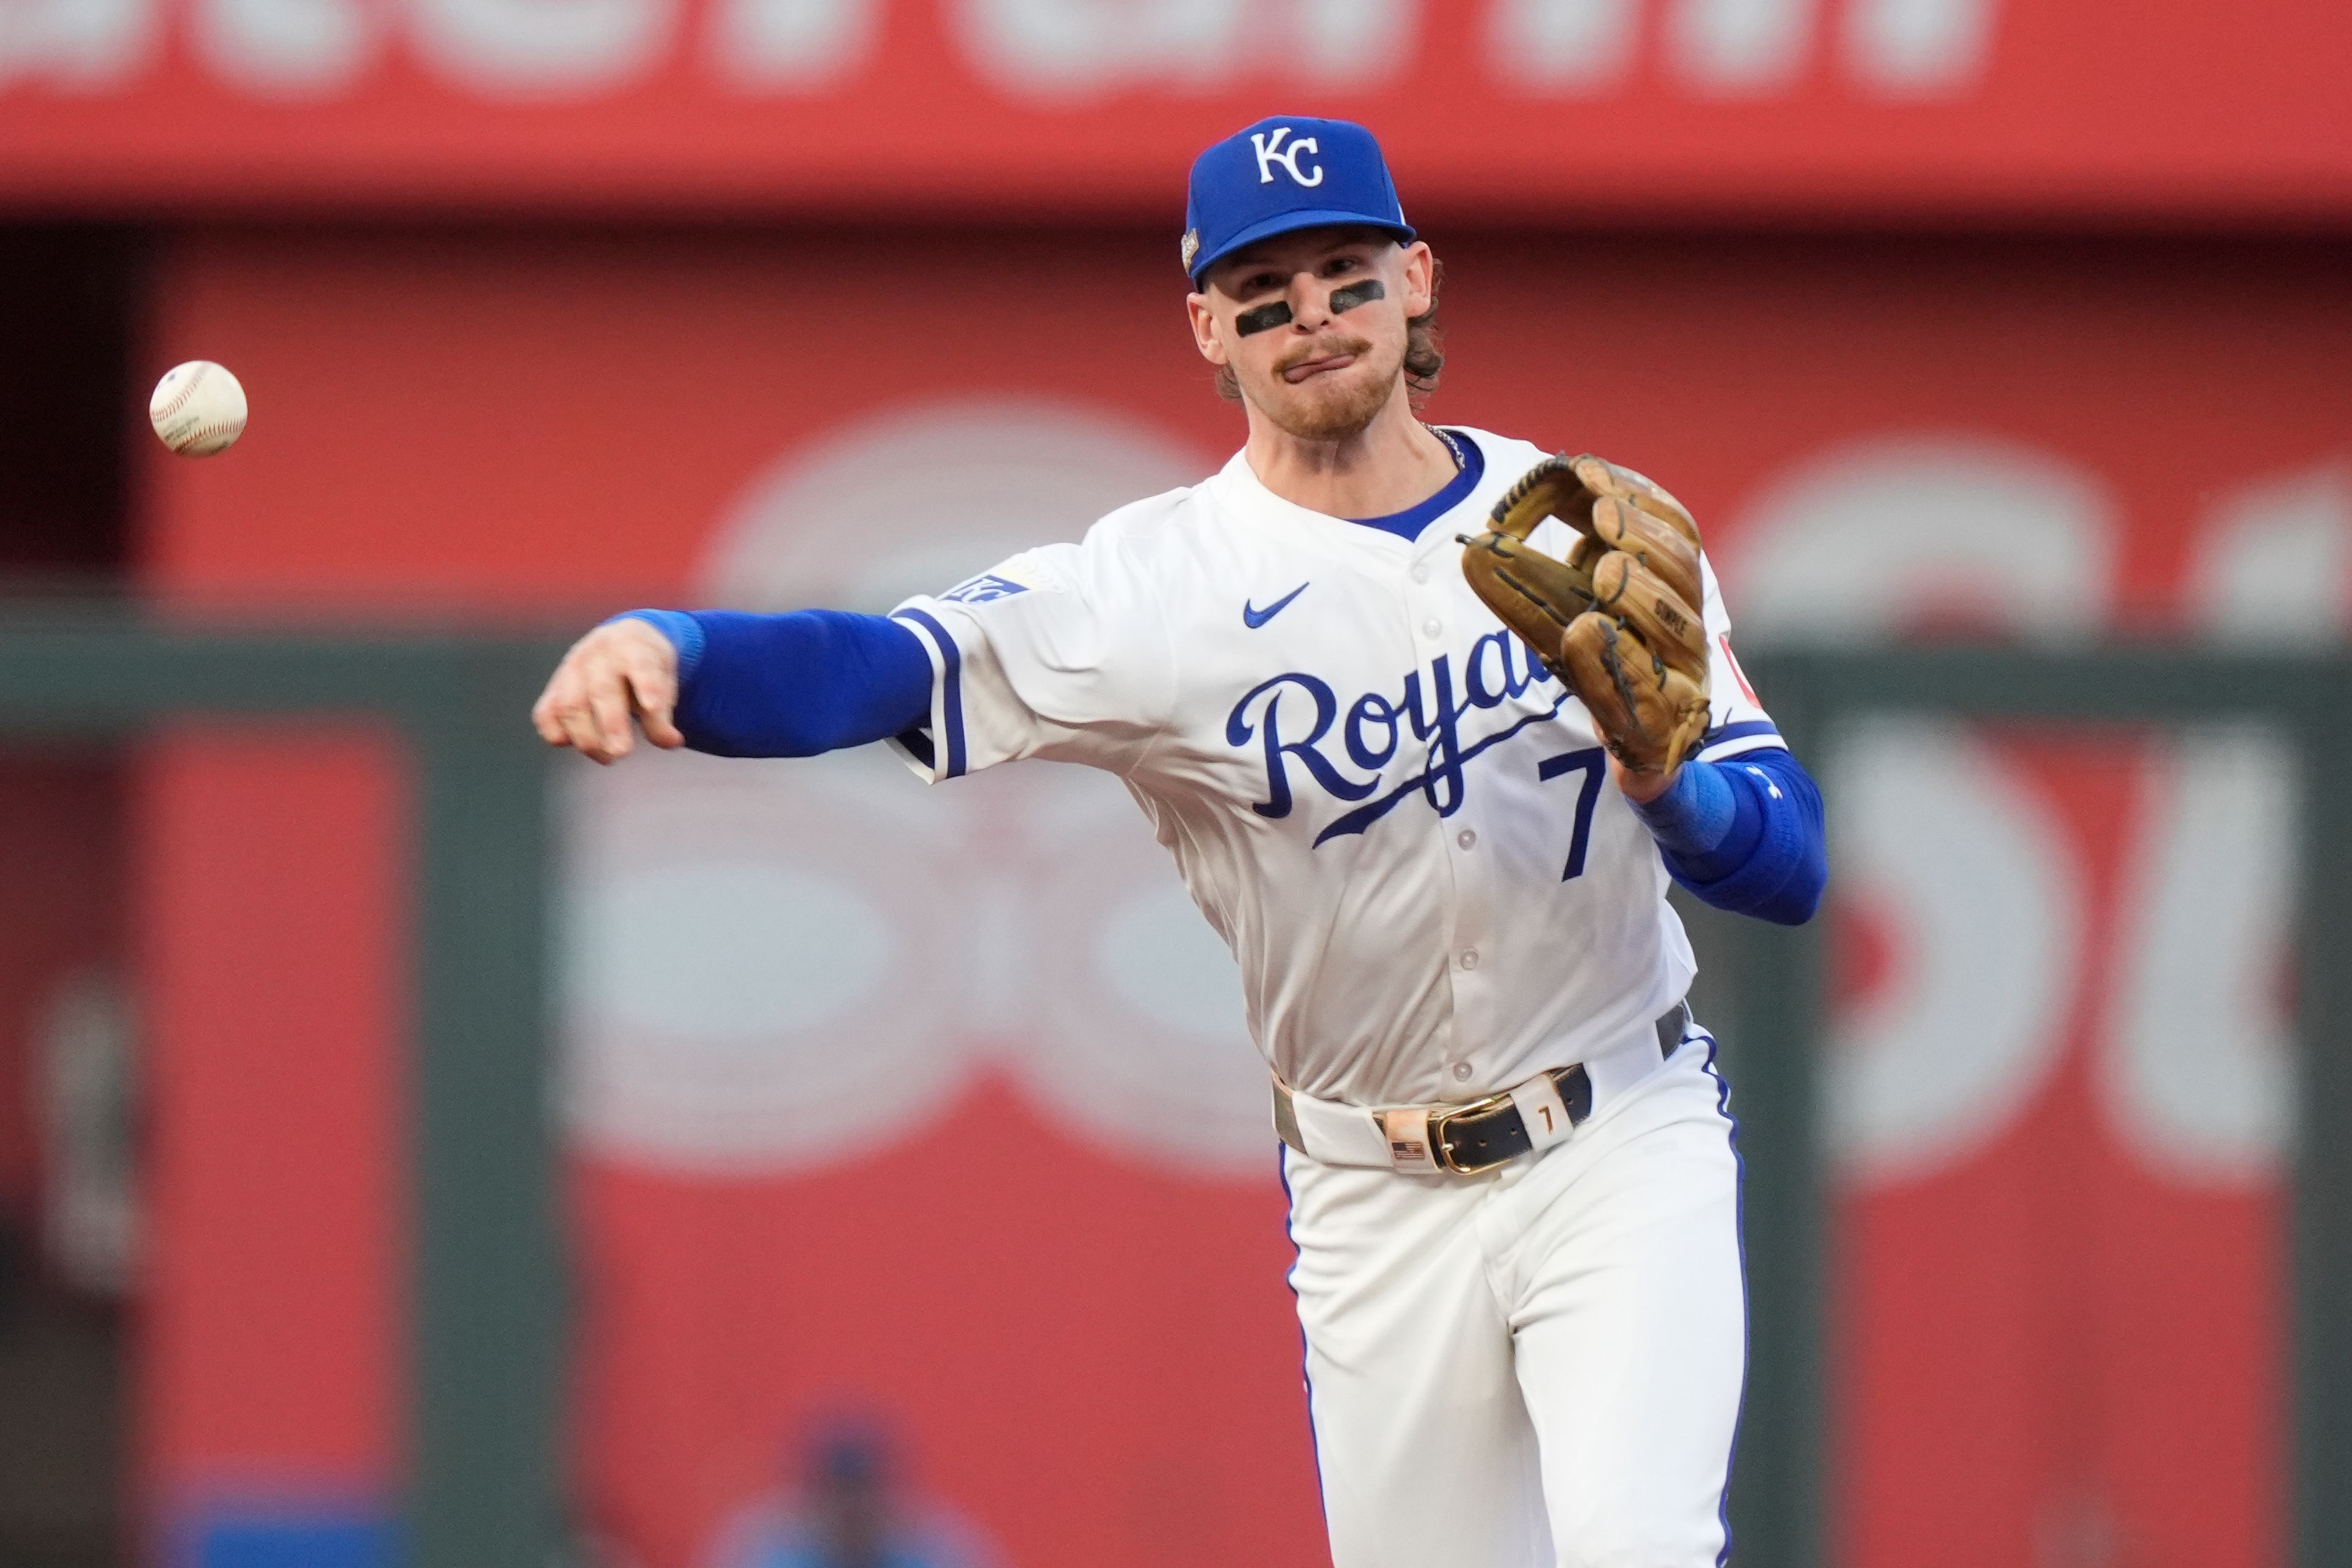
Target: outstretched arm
737, 685
1744, 835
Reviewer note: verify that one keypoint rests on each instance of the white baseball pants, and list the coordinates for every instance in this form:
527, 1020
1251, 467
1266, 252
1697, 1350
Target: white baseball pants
1538, 1367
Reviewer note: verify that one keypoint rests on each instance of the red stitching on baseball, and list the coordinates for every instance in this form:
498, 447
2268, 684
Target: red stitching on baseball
180, 398
204, 432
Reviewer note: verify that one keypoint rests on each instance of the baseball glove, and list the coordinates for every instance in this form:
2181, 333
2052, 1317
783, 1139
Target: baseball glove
1619, 620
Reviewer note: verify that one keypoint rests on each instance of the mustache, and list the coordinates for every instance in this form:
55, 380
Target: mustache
1322, 348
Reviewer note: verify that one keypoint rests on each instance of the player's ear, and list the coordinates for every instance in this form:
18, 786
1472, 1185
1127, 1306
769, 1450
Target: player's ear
1419, 279
1205, 329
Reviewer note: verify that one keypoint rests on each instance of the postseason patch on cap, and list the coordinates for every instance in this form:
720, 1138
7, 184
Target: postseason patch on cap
1191, 247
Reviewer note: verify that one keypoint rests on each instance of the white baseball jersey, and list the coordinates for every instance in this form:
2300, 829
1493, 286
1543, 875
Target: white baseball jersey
1398, 820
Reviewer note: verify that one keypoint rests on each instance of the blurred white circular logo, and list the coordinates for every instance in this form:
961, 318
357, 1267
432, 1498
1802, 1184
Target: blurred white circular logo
776, 965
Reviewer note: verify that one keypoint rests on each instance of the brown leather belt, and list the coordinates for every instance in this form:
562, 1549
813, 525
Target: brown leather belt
1484, 1133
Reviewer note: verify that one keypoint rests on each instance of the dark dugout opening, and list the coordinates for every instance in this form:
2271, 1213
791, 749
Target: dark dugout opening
69, 1231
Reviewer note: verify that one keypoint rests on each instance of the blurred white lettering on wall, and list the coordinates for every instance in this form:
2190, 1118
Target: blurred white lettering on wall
785, 44
1740, 46
2198, 1075
287, 48
1918, 48
1565, 45
1984, 902
1971, 876
1056, 51
84, 45
539, 48
2200, 1078
1890, 48
1082, 48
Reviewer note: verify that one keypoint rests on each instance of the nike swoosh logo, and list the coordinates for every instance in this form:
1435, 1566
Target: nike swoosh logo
1255, 618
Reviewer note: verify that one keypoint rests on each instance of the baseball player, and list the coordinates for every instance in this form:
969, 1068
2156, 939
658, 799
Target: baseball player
1427, 719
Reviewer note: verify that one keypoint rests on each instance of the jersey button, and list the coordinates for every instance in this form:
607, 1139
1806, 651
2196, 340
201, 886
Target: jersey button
1461, 1071
1420, 573
1467, 837
1429, 628
1470, 958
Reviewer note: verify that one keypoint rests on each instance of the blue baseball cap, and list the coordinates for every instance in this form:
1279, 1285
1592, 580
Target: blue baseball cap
1281, 174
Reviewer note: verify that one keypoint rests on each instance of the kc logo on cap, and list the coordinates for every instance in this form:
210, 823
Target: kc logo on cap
1289, 173
1269, 153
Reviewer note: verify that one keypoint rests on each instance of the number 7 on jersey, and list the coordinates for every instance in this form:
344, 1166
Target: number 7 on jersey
1592, 761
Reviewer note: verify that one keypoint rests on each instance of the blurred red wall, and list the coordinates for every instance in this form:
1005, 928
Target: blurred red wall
1502, 108
2044, 1337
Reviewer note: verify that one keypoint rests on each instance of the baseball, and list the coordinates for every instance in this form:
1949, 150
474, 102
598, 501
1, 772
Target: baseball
198, 409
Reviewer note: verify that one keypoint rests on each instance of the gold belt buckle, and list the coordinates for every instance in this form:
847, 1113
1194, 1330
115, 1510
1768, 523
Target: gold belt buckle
1444, 1156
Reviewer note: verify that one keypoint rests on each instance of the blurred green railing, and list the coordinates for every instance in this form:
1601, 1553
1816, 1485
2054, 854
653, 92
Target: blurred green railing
486, 1304
484, 1487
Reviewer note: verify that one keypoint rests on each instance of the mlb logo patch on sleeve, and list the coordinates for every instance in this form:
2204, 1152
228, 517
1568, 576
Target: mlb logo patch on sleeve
980, 590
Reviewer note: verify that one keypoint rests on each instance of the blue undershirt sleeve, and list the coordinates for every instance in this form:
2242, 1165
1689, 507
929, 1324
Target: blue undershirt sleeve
1706, 821
1745, 835
793, 685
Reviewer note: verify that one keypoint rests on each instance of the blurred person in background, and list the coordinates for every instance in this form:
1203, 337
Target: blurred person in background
849, 1509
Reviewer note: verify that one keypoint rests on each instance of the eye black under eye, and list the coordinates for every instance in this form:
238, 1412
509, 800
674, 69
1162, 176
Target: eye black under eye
1262, 318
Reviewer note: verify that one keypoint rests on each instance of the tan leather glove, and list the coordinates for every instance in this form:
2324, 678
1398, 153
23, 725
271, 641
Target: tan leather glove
1619, 620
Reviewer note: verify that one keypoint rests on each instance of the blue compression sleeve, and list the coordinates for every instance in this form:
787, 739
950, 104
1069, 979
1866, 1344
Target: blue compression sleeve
1745, 835
794, 685
1706, 821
